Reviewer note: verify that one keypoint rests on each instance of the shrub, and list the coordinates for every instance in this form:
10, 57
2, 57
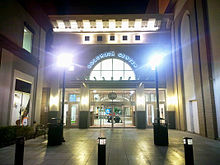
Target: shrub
8, 134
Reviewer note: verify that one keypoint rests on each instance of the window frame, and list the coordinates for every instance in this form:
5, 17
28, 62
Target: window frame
112, 38
124, 37
101, 70
99, 37
87, 37
139, 37
29, 28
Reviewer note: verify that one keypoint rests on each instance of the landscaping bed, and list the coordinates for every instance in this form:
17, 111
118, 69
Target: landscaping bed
8, 134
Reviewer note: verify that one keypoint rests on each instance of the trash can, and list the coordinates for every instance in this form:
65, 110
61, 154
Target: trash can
161, 133
54, 133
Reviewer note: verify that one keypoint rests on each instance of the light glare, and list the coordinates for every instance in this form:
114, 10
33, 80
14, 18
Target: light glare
99, 24
65, 60
155, 60
138, 23
73, 24
112, 24
86, 24
61, 24
125, 23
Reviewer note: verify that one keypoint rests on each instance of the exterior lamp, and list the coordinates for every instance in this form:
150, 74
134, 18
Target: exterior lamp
65, 61
160, 130
154, 62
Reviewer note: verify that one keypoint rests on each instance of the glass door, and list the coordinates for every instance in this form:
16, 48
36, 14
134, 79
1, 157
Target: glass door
110, 116
71, 115
128, 116
150, 114
119, 116
101, 116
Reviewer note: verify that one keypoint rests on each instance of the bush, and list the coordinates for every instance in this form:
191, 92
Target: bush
40, 130
8, 134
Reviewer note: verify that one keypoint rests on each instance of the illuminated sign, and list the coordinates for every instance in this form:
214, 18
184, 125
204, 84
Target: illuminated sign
107, 111
72, 98
111, 54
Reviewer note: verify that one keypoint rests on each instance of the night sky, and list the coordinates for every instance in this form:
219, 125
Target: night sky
93, 6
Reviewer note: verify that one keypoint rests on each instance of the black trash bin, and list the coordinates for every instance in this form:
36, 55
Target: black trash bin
54, 133
161, 133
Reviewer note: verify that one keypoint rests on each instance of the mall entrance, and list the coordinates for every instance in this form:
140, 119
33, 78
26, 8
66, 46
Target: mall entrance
104, 112
119, 112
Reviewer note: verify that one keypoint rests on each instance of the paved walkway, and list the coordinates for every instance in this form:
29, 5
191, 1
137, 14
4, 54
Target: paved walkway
124, 146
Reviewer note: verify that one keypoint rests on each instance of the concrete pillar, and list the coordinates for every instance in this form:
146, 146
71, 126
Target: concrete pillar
140, 107
54, 101
84, 107
40, 76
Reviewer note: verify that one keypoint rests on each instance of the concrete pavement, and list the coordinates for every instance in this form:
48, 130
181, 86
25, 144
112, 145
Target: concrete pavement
124, 146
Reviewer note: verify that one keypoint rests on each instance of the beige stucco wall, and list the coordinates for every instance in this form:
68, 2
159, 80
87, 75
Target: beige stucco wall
5, 86
214, 24
9, 64
40, 75
12, 19
203, 85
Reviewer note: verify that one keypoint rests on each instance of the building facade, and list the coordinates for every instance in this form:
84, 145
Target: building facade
188, 77
112, 83
195, 66
22, 51
111, 56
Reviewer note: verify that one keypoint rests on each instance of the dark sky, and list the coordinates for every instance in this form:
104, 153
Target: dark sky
93, 6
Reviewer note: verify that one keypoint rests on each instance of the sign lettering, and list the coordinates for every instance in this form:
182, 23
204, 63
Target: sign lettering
111, 54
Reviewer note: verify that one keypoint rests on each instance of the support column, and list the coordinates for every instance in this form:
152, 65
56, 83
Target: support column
84, 107
41, 70
140, 107
54, 99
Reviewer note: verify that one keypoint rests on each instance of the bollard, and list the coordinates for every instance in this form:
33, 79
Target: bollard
19, 151
188, 148
101, 150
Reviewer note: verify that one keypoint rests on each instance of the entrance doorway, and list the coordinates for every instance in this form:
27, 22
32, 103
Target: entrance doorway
113, 116
21, 103
193, 119
112, 113
151, 113
71, 114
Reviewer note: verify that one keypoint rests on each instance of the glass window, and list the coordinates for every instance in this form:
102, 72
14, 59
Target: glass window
27, 39
99, 38
73, 114
137, 37
124, 38
112, 38
72, 98
127, 67
147, 97
152, 97
107, 64
129, 75
118, 64
107, 75
112, 69
161, 95
96, 97
117, 75
97, 67
86, 38
95, 75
